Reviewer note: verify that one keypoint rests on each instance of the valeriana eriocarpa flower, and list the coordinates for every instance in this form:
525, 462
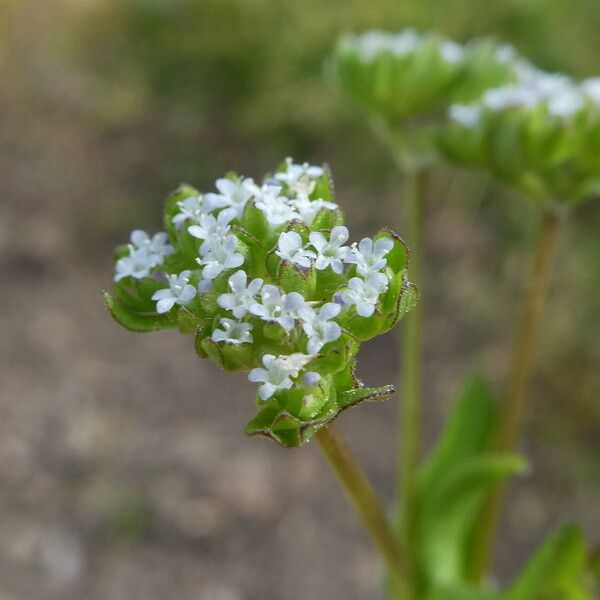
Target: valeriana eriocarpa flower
137, 265
332, 252
369, 256
180, 291
319, 327
291, 248
191, 209
307, 208
242, 294
157, 244
276, 307
257, 302
211, 227
466, 115
233, 332
278, 373
233, 193
274, 206
145, 253
295, 172
364, 294
219, 254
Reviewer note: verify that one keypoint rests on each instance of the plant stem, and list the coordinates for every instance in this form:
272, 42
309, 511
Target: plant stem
366, 504
519, 374
410, 399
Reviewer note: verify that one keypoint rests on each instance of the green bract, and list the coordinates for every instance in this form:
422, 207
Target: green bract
541, 136
408, 78
260, 275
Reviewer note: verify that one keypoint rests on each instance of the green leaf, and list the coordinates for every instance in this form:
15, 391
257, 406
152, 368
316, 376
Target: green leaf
466, 434
449, 514
136, 321
555, 572
473, 474
453, 483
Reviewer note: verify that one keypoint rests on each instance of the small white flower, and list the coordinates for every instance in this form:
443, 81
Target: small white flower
451, 52
405, 42
565, 103
276, 307
179, 292
295, 172
218, 255
191, 209
591, 88
156, 245
277, 211
233, 193
277, 373
137, 265
291, 248
499, 99
205, 285
211, 227
294, 363
369, 256
233, 332
466, 115
331, 253
365, 293
307, 208
241, 296
274, 377
506, 54
319, 327
145, 253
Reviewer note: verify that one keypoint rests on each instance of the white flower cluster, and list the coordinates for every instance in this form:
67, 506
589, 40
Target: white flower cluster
562, 97
144, 254
272, 305
285, 198
373, 43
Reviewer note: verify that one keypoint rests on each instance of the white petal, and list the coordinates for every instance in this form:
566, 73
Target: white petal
254, 286
266, 390
258, 374
365, 246
165, 305
365, 309
332, 333
317, 239
322, 262
314, 345
188, 292
237, 282
162, 294
337, 266
339, 234
329, 310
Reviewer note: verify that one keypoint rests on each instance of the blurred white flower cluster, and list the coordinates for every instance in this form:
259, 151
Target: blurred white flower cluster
560, 95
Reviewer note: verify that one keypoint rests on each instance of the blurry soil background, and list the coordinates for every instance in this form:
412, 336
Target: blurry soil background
123, 470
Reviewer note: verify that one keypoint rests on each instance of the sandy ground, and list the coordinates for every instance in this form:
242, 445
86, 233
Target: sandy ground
125, 475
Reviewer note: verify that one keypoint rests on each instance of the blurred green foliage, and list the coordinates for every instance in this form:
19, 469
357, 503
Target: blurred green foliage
186, 89
197, 86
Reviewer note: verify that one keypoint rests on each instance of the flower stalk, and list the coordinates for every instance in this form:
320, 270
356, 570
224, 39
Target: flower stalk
363, 497
520, 371
409, 408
